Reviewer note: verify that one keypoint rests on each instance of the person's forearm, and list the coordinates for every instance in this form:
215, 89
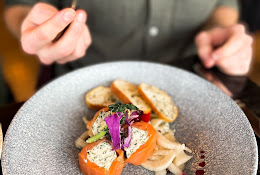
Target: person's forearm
223, 17
14, 17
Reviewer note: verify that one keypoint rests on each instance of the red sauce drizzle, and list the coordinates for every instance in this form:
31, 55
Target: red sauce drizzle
202, 164
200, 172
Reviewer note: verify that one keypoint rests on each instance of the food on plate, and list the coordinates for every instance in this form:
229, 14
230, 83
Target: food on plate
128, 93
160, 164
122, 133
120, 125
100, 97
169, 154
81, 141
160, 102
161, 126
98, 124
99, 158
142, 144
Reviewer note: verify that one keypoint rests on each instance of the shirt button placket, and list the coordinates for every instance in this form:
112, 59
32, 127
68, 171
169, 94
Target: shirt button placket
153, 31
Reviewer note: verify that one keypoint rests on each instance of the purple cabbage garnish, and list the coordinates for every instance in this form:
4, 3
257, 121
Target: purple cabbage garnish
129, 120
133, 116
115, 127
139, 112
128, 139
113, 124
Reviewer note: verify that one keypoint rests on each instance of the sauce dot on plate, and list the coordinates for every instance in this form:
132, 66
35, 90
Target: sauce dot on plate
200, 172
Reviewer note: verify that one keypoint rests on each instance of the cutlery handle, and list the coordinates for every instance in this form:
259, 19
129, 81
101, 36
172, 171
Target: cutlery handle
73, 6
60, 34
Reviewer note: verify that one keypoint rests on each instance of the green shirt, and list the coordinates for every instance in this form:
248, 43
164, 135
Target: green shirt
149, 30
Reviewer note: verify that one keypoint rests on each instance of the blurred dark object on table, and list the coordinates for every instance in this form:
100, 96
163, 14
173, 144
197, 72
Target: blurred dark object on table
250, 14
46, 74
5, 93
7, 113
241, 87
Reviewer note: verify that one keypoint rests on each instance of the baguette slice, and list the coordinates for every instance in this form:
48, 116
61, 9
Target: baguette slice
160, 102
128, 93
100, 97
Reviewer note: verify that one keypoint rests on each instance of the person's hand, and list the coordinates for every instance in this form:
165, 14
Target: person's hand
41, 26
230, 49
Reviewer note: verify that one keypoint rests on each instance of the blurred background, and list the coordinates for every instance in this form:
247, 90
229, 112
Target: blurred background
20, 71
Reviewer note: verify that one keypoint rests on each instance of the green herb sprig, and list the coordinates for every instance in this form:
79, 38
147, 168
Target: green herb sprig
120, 107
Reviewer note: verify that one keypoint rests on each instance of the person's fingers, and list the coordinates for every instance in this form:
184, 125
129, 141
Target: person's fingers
236, 41
227, 41
63, 49
79, 52
218, 36
206, 41
39, 13
80, 49
238, 63
203, 42
34, 39
82, 44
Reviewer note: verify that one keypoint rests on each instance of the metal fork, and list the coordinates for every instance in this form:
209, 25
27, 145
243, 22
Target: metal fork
73, 6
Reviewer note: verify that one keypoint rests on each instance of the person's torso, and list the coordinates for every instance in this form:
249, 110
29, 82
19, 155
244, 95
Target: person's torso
154, 30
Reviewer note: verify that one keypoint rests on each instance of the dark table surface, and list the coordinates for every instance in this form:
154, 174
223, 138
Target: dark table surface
242, 88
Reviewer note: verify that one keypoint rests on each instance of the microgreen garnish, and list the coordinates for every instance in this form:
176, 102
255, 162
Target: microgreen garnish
119, 107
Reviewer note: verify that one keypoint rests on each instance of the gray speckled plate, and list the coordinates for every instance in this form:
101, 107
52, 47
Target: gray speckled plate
40, 139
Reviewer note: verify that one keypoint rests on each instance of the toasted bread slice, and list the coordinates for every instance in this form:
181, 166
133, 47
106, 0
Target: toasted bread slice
160, 102
100, 97
128, 93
